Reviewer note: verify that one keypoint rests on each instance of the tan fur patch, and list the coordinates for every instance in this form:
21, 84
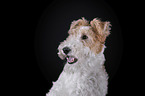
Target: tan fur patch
102, 29
75, 24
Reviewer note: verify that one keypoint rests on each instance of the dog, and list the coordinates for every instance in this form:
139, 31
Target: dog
84, 73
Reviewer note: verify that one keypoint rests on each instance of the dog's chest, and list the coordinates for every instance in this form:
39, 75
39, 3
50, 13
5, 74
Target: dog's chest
70, 81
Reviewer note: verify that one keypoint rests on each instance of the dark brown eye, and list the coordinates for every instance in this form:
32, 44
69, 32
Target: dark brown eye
84, 37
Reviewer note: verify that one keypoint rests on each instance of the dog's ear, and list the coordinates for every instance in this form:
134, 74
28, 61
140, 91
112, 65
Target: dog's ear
102, 29
77, 23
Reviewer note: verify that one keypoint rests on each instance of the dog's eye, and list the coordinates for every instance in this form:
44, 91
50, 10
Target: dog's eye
84, 37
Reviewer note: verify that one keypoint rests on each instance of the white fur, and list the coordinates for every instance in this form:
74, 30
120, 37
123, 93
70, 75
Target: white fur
86, 77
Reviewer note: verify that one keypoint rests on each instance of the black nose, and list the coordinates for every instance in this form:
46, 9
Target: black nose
66, 50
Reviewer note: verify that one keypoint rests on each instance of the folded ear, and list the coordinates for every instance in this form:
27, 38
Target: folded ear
102, 29
77, 23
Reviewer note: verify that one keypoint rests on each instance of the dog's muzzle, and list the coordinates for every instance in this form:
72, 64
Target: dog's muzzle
70, 59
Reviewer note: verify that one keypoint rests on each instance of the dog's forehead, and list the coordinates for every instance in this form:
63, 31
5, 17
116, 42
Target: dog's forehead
83, 29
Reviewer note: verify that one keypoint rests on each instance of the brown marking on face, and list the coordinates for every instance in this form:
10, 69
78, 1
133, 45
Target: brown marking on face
97, 33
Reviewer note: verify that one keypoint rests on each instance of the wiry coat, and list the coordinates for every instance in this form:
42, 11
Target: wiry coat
86, 77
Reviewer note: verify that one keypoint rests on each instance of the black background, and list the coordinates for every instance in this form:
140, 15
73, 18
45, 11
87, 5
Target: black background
28, 76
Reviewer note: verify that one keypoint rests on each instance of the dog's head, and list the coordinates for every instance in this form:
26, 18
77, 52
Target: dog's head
84, 39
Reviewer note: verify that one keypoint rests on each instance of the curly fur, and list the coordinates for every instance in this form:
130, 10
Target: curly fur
86, 77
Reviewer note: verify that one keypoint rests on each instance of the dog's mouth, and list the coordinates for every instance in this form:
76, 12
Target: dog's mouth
67, 58
71, 59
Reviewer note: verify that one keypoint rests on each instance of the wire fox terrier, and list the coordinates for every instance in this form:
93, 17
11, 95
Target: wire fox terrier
84, 73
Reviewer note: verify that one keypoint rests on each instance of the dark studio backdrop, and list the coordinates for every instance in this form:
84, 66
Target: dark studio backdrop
46, 25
